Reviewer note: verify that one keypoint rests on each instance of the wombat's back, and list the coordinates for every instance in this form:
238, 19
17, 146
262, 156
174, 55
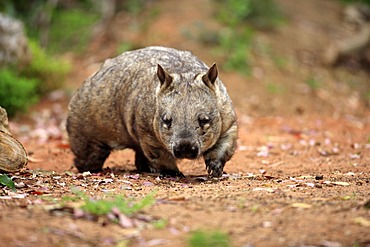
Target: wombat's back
132, 72
174, 61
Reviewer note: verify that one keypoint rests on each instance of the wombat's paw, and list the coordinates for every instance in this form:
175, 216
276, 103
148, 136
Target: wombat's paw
144, 167
89, 169
214, 168
171, 173
85, 167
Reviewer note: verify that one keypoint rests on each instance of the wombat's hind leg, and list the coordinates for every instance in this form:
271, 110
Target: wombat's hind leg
90, 157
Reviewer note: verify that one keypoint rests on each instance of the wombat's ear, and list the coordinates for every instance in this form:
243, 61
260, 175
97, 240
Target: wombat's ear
163, 77
210, 77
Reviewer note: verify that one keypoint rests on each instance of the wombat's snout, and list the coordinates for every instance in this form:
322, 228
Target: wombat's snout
185, 149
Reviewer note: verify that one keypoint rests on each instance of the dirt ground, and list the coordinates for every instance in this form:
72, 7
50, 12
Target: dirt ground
300, 175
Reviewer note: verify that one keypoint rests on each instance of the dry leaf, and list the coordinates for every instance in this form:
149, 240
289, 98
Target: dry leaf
176, 198
301, 205
337, 183
341, 183
264, 189
34, 160
362, 221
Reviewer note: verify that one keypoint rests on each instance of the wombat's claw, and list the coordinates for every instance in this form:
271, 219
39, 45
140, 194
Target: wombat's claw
214, 168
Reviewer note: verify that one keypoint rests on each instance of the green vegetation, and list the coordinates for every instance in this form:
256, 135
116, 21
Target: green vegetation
125, 46
21, 86
99, 207
17, 92
236, 46
160, 224
367, 96
356, 1
58, 27
7, 181
49, 70
133, 6
263, 14
209, 239
313, 83
71, 30
240, 18
274, 88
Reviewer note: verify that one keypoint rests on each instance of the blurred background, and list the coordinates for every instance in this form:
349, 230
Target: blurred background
277, 57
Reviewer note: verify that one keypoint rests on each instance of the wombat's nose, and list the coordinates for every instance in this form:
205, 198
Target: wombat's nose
186, 150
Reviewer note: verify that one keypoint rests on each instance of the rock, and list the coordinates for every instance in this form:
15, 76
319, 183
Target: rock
13, 42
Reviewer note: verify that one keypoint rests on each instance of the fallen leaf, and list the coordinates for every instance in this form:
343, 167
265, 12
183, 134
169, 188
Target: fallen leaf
177, 198
326, 243
349, 174
6, 197
86, 174
341, 183
63, 145
271, 190
147, 183
355, 156
7, 181
286, 146
263, 151
125, 221
155, 242
337, 183
310, 184
325, 153
34, 160
345, 198
356, 146
135, 176
36, 192
243, 148
266, 224
362, 221
301, 205
305, 177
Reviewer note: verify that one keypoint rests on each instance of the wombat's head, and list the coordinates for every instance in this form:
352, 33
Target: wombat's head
187, 119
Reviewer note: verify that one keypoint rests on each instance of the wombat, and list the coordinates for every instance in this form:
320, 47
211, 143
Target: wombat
163, 103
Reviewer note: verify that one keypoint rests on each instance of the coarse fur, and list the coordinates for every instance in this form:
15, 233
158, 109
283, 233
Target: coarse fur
163, 103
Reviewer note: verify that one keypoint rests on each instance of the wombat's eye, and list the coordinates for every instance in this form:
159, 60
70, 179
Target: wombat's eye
203, 120
166, 121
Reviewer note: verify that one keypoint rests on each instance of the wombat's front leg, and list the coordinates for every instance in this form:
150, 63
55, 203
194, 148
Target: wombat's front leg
157, 160
142, 163
216, 157
166, 165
